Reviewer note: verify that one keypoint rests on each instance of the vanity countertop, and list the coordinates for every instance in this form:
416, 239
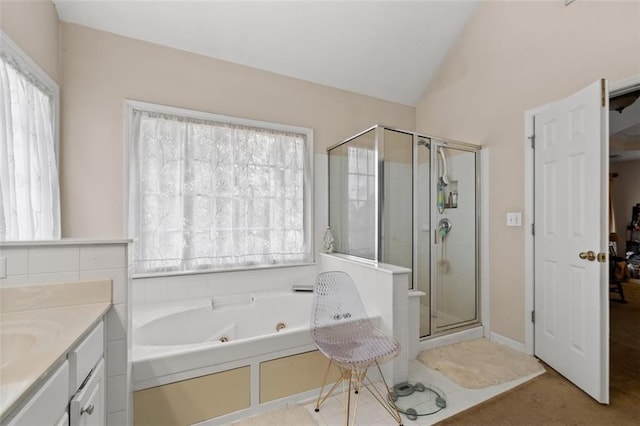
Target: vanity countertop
34, 342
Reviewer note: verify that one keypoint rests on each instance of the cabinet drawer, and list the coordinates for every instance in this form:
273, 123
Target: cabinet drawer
48, 403
87, 408
84, 357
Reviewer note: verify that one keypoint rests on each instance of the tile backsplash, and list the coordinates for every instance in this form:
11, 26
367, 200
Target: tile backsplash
27, 298
181, 287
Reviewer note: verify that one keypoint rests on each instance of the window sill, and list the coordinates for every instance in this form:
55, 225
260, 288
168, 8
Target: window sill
217, 271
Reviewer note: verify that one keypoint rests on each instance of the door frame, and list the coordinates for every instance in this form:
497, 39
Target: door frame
615, 88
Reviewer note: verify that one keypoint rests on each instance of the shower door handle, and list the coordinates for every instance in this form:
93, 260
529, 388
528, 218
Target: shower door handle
435, 236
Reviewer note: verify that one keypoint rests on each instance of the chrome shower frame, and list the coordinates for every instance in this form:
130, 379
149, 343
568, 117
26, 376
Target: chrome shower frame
434, 143
440, 143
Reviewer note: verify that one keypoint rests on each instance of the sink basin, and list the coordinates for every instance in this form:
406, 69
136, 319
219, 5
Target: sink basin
18, 339
14, 346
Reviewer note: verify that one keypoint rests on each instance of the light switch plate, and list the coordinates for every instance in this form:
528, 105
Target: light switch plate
514, 219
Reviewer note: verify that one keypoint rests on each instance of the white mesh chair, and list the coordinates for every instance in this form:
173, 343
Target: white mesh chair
342, 331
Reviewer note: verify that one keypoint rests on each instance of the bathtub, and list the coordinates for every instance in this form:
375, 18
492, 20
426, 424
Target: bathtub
254, 348
173, 339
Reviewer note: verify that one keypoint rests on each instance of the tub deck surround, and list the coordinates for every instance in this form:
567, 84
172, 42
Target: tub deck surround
175, 341
177, 351
43, 323
179, 341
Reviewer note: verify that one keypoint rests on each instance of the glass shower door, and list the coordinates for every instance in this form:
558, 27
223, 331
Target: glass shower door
454, 275
422, 232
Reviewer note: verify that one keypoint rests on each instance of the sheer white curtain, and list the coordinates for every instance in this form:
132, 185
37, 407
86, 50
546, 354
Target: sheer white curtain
29, 194
211, 195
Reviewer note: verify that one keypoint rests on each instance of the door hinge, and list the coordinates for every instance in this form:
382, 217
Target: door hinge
533, 229
533, 317
532, 138
604, 91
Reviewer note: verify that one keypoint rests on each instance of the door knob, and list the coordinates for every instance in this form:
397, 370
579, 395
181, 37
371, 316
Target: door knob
602, 257
589, 255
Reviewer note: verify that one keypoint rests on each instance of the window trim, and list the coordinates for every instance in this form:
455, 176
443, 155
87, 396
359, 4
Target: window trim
308, 202
10, 48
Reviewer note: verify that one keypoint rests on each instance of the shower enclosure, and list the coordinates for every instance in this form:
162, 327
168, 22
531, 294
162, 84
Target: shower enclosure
411, 200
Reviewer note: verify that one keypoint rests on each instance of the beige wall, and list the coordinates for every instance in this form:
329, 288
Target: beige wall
34, 26
625, 194
101, 70
514, 56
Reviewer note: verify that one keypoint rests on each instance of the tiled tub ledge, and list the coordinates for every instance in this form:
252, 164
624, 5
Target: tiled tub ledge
63, 242
44, 322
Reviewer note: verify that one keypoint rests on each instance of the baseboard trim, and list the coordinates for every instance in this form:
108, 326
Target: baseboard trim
498, 338
449, 339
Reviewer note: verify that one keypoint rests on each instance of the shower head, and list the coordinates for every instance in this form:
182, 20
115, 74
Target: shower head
423, 143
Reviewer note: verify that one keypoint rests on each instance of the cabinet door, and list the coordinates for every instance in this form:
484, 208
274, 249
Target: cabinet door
87, 408
46, 406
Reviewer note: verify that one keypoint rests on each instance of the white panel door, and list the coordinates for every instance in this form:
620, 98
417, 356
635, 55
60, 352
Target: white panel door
571, 192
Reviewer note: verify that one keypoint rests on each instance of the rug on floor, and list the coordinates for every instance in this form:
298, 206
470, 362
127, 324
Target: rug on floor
479, 363
293, 416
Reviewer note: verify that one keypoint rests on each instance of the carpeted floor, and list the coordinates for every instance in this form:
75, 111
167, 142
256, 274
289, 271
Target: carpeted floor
550, 399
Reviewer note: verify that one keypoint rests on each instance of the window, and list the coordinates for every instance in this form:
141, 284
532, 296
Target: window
29, 194
214, 192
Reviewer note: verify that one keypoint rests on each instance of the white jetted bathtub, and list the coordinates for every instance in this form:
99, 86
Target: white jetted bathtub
184, 339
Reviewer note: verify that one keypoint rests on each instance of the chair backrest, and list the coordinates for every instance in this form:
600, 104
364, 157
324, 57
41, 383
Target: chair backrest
335, 300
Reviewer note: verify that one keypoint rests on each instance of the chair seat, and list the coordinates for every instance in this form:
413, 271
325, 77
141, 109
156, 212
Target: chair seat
355, 351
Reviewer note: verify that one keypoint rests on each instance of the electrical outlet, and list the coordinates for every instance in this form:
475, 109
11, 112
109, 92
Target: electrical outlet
514, 219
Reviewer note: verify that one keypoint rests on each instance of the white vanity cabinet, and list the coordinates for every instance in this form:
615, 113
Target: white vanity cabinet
74, 394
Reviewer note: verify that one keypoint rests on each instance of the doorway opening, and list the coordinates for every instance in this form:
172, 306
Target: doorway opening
624, 237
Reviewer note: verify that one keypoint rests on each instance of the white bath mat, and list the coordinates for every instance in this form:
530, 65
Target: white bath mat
480, 363
293, 416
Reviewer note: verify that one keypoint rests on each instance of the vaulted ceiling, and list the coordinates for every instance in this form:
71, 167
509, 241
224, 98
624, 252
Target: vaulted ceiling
385, 49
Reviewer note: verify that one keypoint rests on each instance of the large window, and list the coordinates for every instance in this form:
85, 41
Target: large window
213, 192
29, 194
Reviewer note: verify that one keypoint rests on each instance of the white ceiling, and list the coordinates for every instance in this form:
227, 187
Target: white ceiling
387, 49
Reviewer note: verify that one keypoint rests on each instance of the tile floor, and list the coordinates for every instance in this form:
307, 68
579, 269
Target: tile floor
370, 413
